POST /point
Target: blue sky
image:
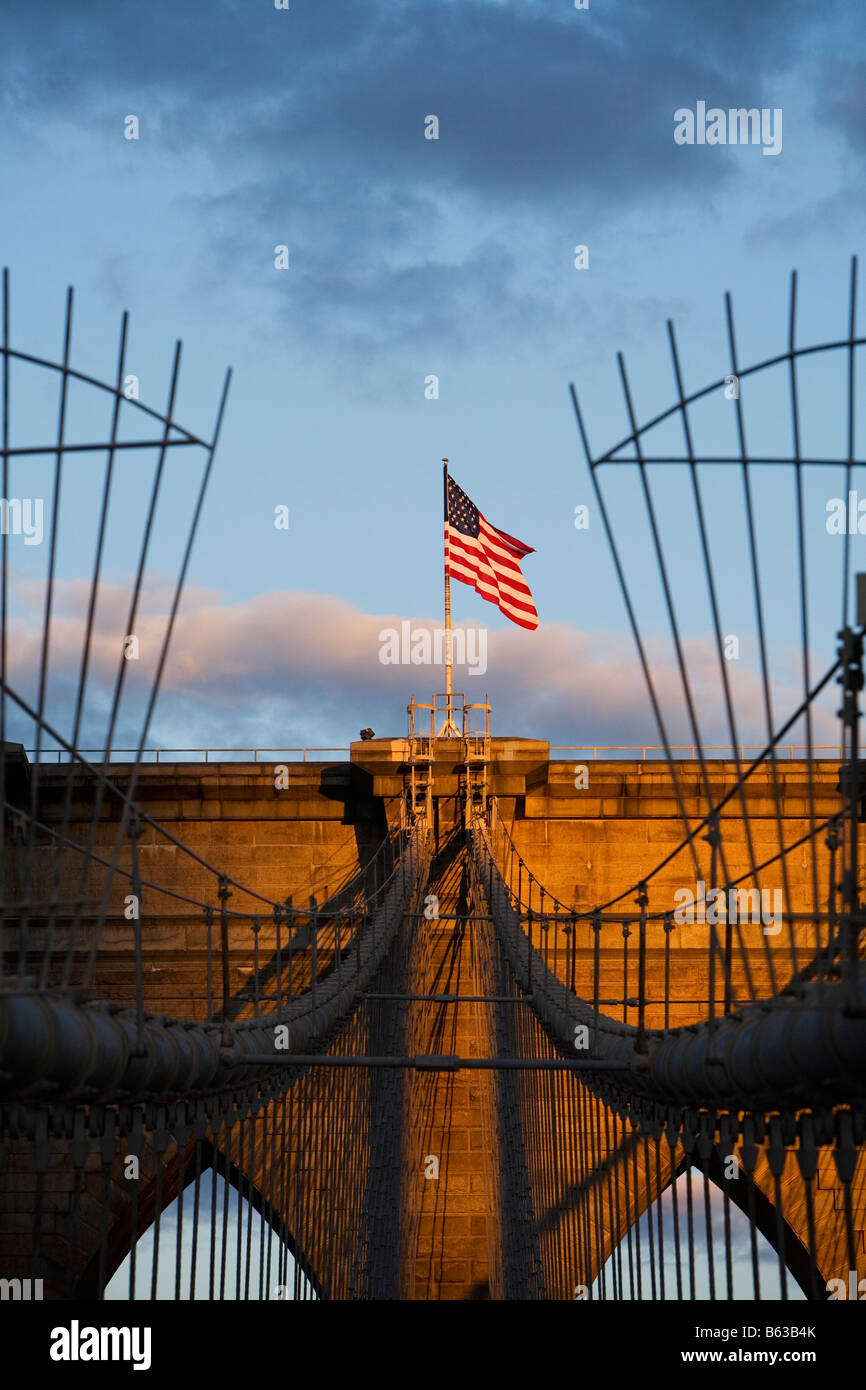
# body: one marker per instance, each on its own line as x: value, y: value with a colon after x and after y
x: 411, y: 257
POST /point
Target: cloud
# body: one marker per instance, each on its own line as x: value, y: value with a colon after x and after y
x: 294, y: 669
x: 313, y: 120
x: 844, y: 106
x: 845, y: 208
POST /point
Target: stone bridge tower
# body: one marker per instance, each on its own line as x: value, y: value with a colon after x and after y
x: 460, y: 1199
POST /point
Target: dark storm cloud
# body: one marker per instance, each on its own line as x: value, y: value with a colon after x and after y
x: 344, y: 269
x: 842, y: 209
x: 533, y: 98
x: 843, y: 99
x: 551, y: 119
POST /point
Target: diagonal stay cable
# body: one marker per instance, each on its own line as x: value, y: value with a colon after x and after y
x: 717, y: 627
x: 46, y: 620
x: 850, y: 712
x: 79, y: 848
x: 99, y: 774
x: 4, y: 564
x: 714, y: 832
x: 804, y: 605
x: 130, y: 628
x: 91, y: 613
x: 163, y: 655
x: 759, y: 614
x: 132, y: 806
x: 660, y: 723
x: 632, y: 889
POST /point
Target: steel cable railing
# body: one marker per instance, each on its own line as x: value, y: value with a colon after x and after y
x: 606, y: 1163
x: 807, y: 1032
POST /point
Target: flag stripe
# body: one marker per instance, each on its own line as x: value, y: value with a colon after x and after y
x: 471, y: 567
x: 505, y: 557
x: 509, y: 592
x: 525, y: 617
x: 488, y: 591
x: 478, y: 554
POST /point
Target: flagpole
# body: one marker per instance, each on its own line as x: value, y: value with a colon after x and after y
x: 449, y: 723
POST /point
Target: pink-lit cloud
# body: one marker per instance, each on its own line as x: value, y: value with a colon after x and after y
x: 293, y: 668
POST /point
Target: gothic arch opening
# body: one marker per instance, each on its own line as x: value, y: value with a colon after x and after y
x: 665, y: 1256
x: 242, y: 1248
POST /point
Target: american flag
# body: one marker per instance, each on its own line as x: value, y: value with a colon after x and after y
x: 486, y: 558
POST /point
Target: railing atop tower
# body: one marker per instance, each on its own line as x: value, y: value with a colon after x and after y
x: 434, y: 719
x: 464, y: 728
